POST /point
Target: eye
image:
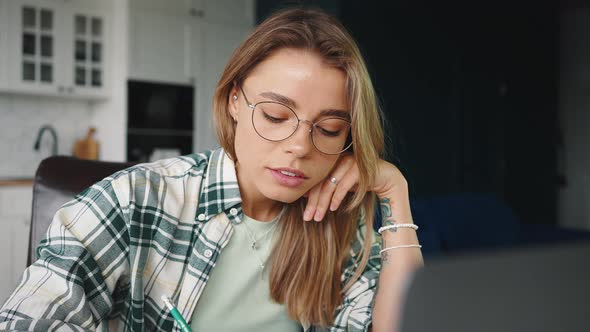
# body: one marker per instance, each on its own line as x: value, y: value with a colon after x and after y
x: 332, y: 127
x: 272, y: 118
x: 329, y: 133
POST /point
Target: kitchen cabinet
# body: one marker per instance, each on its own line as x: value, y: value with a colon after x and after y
x: 168, y: 40
x: 187, y: 42
x: 226, y: 12
x: 165, y: 40
x: 161, y: 42
x: 58, y: 48
x: 15, y: 220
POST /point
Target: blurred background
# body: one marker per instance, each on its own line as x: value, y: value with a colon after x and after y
x: 487, y: 103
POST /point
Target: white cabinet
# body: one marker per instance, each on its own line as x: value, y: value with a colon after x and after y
x: 226, y: 12
x: 3, y: 43
x: 169, y: 40
x: 165, y: 40
x: 187, y: 42
x: 161, y: 42
x: 219, y: 42
x: 15, y: 217
x: 57, y: 48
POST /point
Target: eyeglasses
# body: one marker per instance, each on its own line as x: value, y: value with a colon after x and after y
x: 276, y: 122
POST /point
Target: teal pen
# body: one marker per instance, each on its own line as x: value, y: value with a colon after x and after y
x: 176, y: 314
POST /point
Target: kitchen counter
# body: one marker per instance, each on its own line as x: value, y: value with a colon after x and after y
x: 16, y: 182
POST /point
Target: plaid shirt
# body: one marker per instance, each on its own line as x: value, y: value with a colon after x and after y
x: 150, y: 230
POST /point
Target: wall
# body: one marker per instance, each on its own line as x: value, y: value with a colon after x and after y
x: 469, y: 90
x: 22, y: 116
x: 574, y: 105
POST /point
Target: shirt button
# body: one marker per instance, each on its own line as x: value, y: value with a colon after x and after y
x: 208, y: 253
x: 233, y: 211
x: 201, y: 217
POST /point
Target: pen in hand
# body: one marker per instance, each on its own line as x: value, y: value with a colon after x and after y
x: 176, y: 314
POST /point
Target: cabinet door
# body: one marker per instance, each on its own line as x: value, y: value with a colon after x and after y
x: 227, y: 12
x: 15, y: 216
x: 32, y: 58
x: 218, y: 43
x: 4, y: 25
x: 57, y: 48
x: 86, y: 63
x: 160, y: 46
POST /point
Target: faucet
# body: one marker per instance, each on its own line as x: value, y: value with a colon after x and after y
x: 40, y: 135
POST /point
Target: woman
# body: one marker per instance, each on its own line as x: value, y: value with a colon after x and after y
x: 227, y: 234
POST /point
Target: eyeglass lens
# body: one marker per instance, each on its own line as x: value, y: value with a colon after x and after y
x: 276, y: 122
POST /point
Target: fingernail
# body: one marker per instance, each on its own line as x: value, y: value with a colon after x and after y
x: 318, y: 215
x: 307, y: 215
x: 333, y: 207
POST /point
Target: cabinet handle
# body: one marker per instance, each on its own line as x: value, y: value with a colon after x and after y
x: 60, y: 89
x: 70, y: 89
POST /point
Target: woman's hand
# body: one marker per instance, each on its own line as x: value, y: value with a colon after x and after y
x: 328, y: 194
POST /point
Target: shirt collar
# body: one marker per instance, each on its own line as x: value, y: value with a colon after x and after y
x: 219, y: 189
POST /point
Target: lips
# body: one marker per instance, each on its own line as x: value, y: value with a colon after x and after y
x: 289, y: 177
x: 291, y: 172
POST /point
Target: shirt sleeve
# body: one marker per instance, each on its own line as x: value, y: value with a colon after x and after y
x: 354, y: 315
x: 83, y: 255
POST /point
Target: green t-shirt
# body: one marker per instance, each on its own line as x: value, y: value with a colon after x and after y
x: 237, y: 295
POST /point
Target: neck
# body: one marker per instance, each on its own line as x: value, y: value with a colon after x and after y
x: 255, y: 205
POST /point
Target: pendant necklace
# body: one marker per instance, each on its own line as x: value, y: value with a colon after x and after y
x: 254, y: 246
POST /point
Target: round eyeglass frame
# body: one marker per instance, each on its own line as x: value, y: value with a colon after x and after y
x: 311, y: 127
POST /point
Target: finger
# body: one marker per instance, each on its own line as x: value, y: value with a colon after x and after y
x: 324, y: 199
x: 329, y: 187
x: 312, y: 202
x: 347, y: 184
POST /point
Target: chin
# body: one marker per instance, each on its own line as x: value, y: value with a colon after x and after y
x: 283, y: 195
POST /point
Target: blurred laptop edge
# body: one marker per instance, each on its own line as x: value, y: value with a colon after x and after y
x: 528, y: 289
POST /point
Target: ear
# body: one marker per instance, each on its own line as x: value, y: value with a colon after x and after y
x: 233, y: 101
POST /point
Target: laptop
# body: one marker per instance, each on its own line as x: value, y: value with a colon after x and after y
x: 537, y: 289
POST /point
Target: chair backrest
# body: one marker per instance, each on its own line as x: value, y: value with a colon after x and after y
x: 57, y: 180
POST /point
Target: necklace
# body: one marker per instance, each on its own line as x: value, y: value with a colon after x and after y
x: 254, y: 247
x: 254, y: 239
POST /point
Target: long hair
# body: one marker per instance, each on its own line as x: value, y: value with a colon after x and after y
x: 308, y: 258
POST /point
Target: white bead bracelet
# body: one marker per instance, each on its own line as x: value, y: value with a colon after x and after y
x: 396, y: 226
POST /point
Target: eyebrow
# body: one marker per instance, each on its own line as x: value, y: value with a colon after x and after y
x: 291, y: 103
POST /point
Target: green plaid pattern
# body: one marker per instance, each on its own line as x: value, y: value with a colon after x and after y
x: 150, y: 230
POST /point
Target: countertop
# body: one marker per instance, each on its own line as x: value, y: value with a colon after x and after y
x: 12, y: 182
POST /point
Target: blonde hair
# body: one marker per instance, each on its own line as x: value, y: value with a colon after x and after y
x: 307, y: 259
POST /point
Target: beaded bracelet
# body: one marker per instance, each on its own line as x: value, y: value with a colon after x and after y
x: 396, y: 226
x: 401, y: 246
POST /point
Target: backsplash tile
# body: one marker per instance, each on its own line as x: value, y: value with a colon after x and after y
x: 20, y: 119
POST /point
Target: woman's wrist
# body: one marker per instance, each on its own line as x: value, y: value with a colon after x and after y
x: 394, y: 192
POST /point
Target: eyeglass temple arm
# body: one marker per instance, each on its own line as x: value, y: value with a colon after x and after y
x: 246, y: 98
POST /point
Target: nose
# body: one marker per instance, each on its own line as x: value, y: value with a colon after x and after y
x: 300, y: 143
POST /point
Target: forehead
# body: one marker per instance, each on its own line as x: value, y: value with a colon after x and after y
x: 300, y: 75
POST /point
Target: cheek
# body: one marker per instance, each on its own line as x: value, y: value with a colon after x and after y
x: 323, y: 169
x: 248, y: 145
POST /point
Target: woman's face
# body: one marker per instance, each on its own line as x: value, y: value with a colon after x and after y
x: 266, y: 168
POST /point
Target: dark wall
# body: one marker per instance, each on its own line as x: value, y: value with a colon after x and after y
x: 469, y: 89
